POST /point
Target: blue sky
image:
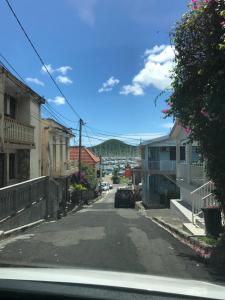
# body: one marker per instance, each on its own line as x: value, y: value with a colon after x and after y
x: 111, y: 58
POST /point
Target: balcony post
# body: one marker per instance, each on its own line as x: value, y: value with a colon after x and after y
x: 2, y: 93
x: 188, y: 149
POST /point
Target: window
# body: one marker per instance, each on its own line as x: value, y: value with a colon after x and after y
x: 9, y: 106
x: 172, y: 153
x: 182, y: 153
x: 12, y: 165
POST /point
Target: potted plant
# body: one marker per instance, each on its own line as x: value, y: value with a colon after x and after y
x: 212, y: 217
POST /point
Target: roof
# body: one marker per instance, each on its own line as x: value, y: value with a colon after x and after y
x: 22, y: 84
x: 86, y: 155
x: 160, y: 141
x: 62, y: 127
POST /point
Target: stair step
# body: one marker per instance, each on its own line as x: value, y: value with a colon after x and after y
x: 193, y: 229
x: 200, y: 222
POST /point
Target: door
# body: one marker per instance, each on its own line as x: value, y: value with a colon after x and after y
x: 2, y: 169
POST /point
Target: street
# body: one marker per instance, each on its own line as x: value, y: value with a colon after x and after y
x: 102, y: 237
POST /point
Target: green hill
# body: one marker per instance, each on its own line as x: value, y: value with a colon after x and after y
x: 115, y: 148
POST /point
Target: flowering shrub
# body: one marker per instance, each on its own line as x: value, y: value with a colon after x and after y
x: 198, y: 84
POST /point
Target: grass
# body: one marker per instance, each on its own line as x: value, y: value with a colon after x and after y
x: 209, y: 240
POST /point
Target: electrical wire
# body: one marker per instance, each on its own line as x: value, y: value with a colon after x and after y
x: 53, y: 111
x: 40, y: 58
x: 117, y: 135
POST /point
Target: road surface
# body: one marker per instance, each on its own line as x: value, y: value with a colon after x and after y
x: 102, y: 237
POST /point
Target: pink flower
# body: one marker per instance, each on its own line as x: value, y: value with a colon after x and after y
x: 165, y: 111
x: 187, y: 130
x: 204, y: 112
x: 194, y: 1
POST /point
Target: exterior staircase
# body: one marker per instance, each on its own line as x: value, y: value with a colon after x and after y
x: 193, y: 221
x: 202, y: 197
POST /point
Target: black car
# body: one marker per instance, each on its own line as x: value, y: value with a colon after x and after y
x: 124, y: 197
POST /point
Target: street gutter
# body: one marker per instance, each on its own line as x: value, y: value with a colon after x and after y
x: 201, y: 249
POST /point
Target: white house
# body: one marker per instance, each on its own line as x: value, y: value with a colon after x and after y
x: 20, y: 140
x: 195, y: 187
x: 159, y: 170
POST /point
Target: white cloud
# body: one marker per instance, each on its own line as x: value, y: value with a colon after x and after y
x: 85, y: 10
x: 58, y: 100
x: 158, y: 63
x: 49, y: 68
x: 64, y: 69
x: 109, y: 84
x: 168, y: 125
x: 134, y: 89
x: 64, y: 79
x: 35, y: 80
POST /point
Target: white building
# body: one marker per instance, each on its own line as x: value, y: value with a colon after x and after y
x: 195, y: 187
x: 159, y: 171
x: 20, y: 140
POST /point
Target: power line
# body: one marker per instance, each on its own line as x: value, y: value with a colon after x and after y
x: 52, y: 113
x: 122, y: 136
x: 6, y: 60
x: 88, y: 137
x: 41, y: 59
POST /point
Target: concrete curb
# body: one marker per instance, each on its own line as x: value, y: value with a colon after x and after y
x: 14, y: 231
x: 203, y: 250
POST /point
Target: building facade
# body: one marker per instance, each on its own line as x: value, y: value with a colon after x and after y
x: 190, y: 171
x: 20, y: 131
x: 158, y: 171
x: 55, y: 150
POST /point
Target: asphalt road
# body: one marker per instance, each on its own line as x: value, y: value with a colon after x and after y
x: 102, y: 237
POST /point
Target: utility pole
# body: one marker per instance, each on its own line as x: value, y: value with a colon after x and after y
x: 81, y: 123
x: 100, y: 169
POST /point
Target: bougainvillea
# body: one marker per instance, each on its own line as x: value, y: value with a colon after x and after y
x: 198, y: 83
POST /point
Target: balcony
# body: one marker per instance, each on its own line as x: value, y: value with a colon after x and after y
x: 18, y: 133
x: 190, y: 173
x: 162, y: 166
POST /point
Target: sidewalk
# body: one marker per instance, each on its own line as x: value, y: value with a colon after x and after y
x: 168, y: 220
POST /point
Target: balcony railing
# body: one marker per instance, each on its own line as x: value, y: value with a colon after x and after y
x: 191, y: 173
x: 17, y: 132
x: 162, y: 165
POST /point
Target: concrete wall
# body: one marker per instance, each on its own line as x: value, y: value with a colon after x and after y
x: 185, y: 195
x: 35, y: 154
x: 23, y: 109
x: 30, y: 215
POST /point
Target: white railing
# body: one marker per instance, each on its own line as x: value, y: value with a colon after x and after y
x: 162, y: 165
x: 17, y: 132
x: 190, y: 173
x: 202, y: 197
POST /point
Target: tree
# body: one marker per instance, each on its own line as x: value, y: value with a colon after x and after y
x: 87, y: 177
x: 198, y: 83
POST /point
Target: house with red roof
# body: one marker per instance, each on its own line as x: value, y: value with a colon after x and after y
x: 87, y: 157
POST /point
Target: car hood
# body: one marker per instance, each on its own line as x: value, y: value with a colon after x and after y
x: 118, y: 280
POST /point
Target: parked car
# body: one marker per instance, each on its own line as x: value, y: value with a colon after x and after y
x: 110, y: 186
x: 124, y: 197
x: 105, y: 186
